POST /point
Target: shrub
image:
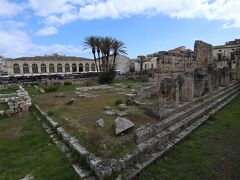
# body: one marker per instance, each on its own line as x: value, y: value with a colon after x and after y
x: 118, y: 101
x: 106, y: 77
x: 50, y: 113
x: 90, y: 82
x: 52, y: 86
x: 67, y: 83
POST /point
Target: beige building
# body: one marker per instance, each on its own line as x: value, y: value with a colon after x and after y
x: 180, y: 59
x: 224, y: 55
x: 57, y: 64
x: 45, y: 65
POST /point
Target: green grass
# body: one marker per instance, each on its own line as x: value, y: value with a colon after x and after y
x: 3, y: 106
x: 25, y: 148
x: 32, y: 91
x: 211, y: 152
x: 67, y: 88
x: 8, y: 90
x: 79, y: 119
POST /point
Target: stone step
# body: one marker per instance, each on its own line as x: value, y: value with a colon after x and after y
x: 176, y: 128
x: 81, y: 171
x: 189, y: 104
x: 132, y: 172
x: 165, y: 136
x: 146, y: 132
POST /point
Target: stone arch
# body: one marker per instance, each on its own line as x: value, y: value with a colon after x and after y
x: 43, y: 68
x: 51, y: 68
x: 16, y: 68
x: 34, y: 68
x: 92, y: 67
x: 67, y: 67
x: 25, y: 68
x: 80, y: 67
x: 87, y: 67
x: 59, y: 68
x: 74, y: 67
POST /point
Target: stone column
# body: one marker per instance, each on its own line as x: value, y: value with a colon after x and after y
x: 199, y: 82
x: 169, y: 93
x: 238, y: 69
x: 224, y: 77
x: 187, y: 88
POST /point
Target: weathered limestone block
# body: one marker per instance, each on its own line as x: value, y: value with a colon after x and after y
x: 169, y: 93
x: 144, y: 133
x: 187, y: 87
x: 100, y: 122
x: 199, y: 82
x: 224, y: 77
x: 70, y: 102
x: 208, y: 84
x: 122, y: 124
x: 122, y: 106
x: 131, y: 97
x: 214, y: 74
x: 147, y: 92
x: 238, y: 67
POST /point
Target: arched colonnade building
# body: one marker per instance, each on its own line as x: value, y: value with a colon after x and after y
x: 44, y: 65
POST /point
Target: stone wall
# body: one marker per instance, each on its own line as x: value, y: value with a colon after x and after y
x: 17, y: 102
x: 203, y: 53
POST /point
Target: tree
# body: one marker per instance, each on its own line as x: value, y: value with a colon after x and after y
x: 142, y: 59
x: 90, y: 42
x: 118, y: 47
x: 106, y: 49
x: 98, y: 48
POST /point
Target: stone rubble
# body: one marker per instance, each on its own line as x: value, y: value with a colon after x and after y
x: 17, y: 102
x: 122, y: 124
x: 100, y: 122
x: 70, y: 102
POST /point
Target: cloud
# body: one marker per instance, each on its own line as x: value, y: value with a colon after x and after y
x: 9, y: 9
x: 65, y: 11
x: 16, y: 43
x: 47, y: 31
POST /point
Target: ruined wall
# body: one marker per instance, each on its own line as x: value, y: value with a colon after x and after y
x: 204, y: 53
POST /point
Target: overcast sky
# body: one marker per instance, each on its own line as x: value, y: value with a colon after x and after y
x: 39, y: 27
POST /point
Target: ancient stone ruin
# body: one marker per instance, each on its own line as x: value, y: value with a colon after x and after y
x: 17, y: 102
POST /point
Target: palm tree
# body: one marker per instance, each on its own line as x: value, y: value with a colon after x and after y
x: 118, y: 47
x: 142, y: 59
x: 90, y: 42
x: 98, y: 48
x: 106, y: 49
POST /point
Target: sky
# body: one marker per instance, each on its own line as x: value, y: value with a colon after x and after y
x: 39, y: 27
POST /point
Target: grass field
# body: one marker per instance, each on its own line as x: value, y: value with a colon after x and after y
x: 211, y: 152
x: 25, y: 148
x: 9, y: 90
x: 79, y: 119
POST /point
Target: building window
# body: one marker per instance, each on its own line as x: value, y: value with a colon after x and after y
x: 59, y: 68
x: 152, y: 66
x: 51, y: 68
x: 92, y: 67
x: 74, y: 67
x: 16, y: 69
x: 145, y: 66
x: 43, y: 68
x: 25, y: 69
x: 34, y: 68
x: 67, y: 68
x: 80, y: 67
x: 219, y: 57
x: 87, y: 67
